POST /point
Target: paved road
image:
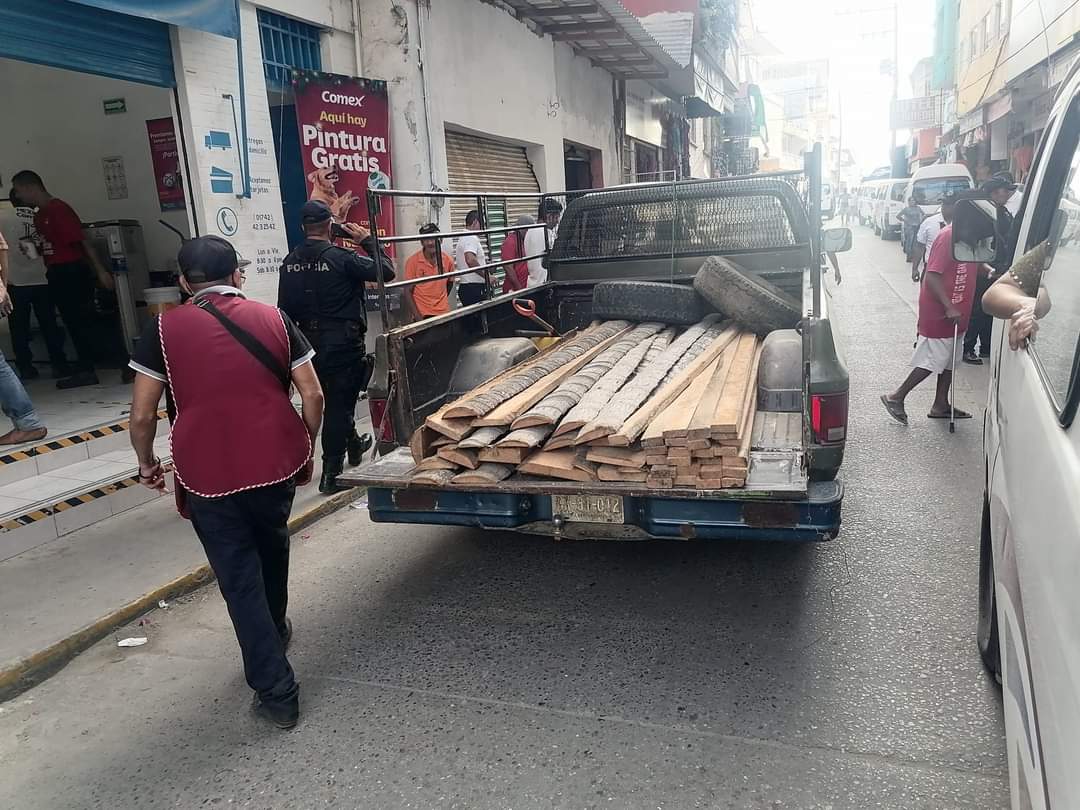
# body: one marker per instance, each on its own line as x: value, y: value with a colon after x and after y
x: 453, y: 669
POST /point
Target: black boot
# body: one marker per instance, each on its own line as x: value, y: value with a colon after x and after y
x: 357, y: 446
x: 331, y: 469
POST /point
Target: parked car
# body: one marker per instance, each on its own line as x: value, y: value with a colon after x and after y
x: 1029, y: 601
x: 930, y: 183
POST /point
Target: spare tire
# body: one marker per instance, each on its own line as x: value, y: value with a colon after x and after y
x: 752, y: 301
x: 647, y: 301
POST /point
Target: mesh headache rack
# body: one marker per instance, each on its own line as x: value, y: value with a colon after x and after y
x: 766, y: 212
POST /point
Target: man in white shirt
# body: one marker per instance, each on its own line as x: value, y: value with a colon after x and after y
x: 29, y: 291
x: 550, y: 213
x: 928, y: 231
x: 469, y: 252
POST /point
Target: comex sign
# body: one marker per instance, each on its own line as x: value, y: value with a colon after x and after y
x: 916, y: 113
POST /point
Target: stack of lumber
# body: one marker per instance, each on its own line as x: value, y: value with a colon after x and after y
x: 616, y: 402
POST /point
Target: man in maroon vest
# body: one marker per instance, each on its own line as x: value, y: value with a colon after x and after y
x: 239, y: 448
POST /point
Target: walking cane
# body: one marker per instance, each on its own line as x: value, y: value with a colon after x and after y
x: 952, y: 379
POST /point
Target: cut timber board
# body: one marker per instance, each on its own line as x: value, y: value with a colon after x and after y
x: 727, y: 418
x: 677, y: 415
x: 505, y: 414
x: 554, y: 464
x: 617, y: 457
x: 701, y: 423
x: 503, y: 455
x: 483, y: 401
x: 634, y: 426
x: 484, y: 474
x: 463, y: 458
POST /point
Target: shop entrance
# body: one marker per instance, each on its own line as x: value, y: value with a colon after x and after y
x: 109, y: 148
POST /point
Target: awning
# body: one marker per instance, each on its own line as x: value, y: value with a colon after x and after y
x: 611, y: 37
x: 215, y: 17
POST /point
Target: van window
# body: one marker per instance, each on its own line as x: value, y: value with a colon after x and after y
x: 897, y: 194
x: 930, y: 190
x: 1057, y: 214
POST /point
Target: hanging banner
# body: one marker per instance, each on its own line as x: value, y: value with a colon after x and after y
x: 165, y: 158
x: 344, y: 125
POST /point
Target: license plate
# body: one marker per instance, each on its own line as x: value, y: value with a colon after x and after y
x: 588, y: 508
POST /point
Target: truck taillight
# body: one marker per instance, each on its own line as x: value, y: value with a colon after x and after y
x: 828, y: 417
x: 382, y: 426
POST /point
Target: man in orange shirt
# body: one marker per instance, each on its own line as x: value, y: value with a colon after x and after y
x: 431, y: 297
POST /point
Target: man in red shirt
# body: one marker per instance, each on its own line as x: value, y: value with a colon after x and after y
x: 945, y: 301
x: 72, y: 267
x: 516, y: 275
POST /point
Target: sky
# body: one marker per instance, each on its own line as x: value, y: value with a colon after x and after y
x: 855, y: 37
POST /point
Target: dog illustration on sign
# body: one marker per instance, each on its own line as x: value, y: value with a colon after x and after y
x: 323, y: 188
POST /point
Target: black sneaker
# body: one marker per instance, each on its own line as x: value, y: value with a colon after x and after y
x: 79, y: 380
x: 28, y: 372
x: 357, y: 446
x: 972, y: 358
x: 283, y: 715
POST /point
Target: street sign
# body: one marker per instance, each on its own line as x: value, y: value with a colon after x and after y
x: 916, y: 113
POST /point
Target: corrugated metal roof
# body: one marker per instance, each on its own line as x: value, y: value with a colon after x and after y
x: 674, y: 30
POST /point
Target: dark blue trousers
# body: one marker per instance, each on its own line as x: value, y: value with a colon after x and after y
x: 246, y: 538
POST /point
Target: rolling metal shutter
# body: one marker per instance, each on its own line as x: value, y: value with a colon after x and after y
x: 482, y: 164
x: 88, y: 40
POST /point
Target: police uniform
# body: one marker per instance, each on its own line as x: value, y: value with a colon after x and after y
x: 321, y: 287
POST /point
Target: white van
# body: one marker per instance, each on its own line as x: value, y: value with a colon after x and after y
x: 867, y: 201
x: 893, y: 198
x: 930, y: 183
x: 828, y: 201
x: 1029, y: 582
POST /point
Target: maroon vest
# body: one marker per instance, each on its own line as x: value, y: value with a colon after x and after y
x: 235, y: 427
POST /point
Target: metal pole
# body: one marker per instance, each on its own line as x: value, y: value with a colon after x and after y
x: 813, y: 167
x: 384, y: 308
x: 481, y: 206
x: 895, y: 73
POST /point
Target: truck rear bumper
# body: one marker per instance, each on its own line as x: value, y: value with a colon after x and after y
x: 813, y: 518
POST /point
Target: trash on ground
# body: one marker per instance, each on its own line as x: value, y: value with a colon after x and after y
x: 163, y: 604
x: 359, y: 503
x: 135, y: 641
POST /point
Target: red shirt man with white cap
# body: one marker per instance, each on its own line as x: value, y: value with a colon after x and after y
x: 239, y: 447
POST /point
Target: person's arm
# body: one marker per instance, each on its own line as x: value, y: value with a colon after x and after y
x: 5, y: 298
x: 448, y: 267
x: 142, y: 426
x: 311, y: 410
x: 1007, y: 300
x: 937, y: 287
x: 363, y: 237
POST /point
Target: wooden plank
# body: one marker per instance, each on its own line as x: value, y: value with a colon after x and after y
x: 484, y: 474
x: 554, y: 406
x: 420, y: 443
x: 617, y: 456
x: 436, y: 478
x: 640, y: 388
x: 594, y: 400
x: 679, y: 452
x: 712, y: 470
x: 653, y: 460
x: 503, y: 455
x: 566, y: 440
x: 582, y: 462
x: 456, y: 429
x: 701, y: 421
x: 434, y: 463
x: 554, y: 464
x: 746, y: 428
x: 659, y: 482
x: 463, y: 458
x: 479, y: 439
x: 483, y: 401
x: 505, y: 414
x: 636, y: 424
x: 526, y: 437
x: 674, y: 417
x: 727, y: 417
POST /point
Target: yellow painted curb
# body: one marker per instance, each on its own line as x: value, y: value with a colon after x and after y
x: 33, y: 669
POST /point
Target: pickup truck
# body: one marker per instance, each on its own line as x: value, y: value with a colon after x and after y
x: 770, y: 225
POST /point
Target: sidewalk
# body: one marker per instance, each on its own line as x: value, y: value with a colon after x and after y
x: 61, y: 597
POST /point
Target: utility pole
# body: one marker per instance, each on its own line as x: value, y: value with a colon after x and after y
x: 839, y: 143
x: 895, y: 74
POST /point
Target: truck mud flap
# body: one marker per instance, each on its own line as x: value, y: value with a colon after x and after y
x: 813, y: 518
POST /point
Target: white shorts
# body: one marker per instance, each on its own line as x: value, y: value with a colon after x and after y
x: 937, y: 354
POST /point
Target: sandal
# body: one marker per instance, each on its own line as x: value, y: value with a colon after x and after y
x: 956, y: 414
x: 895, y: 409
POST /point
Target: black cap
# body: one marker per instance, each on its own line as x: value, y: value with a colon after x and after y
x: 997, y: 183
x: 315, y: 211
x: 207, y: 258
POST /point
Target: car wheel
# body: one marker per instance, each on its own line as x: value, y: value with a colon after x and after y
x: 987, y: 631
x: 750, y: 300
x: 647, y: 301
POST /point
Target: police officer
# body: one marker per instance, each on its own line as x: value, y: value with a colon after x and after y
x: 321, y: 287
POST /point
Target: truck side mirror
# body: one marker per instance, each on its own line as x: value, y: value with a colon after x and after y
x: 973, y: 231
x: 836, y: 240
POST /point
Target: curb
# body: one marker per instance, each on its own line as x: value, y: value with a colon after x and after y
x: 34, y: 669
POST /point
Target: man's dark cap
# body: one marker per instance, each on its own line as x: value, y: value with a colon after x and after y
x: 314, y: 211
x: 996, y: 183
x: 207, y: 258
